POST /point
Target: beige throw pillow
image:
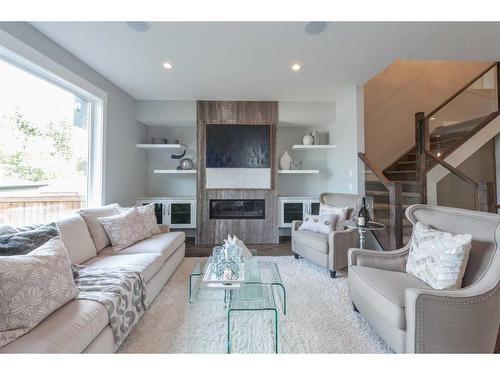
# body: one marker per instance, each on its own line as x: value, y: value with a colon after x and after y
x: 96, y: 230
x: 438, y: 258
x: 341, y: 212
x: 148, y: 216
x: 124, y: 229
x: 319, y: 223
x: 33, y: 286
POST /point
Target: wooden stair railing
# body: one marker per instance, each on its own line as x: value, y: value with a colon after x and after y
x: 395, y: 229
x: 483, y: 191
x: 484, y: 199
x: 471, y: 132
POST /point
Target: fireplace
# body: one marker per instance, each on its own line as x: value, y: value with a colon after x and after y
x: 237, y: 209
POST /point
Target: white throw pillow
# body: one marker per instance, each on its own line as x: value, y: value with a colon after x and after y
x: 124, y: 229
x: 32, y: 286
x: 148, y: 216
x: 341, y: 212
x: 319, y: 223
x: 438, y: 258
x: 96, y: 230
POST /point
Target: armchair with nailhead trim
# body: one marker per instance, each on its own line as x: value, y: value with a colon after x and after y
x: 412, y: 317
x: 327, y: 250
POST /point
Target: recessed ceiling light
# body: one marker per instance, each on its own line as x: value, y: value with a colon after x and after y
x: 315, y: 27
x: 138, y: 26
x: 296, y: 67
x: 167, y: 65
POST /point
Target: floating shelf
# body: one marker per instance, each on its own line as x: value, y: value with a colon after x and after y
x: 175, y: 171
x: 298, y: 171
x: 172, y: 146
x: 313, y: 147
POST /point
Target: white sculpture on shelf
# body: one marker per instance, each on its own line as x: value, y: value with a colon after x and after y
x: 285, y: 161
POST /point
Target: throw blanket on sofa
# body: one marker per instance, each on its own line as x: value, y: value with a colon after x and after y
x: 121, y: 290
x: 23, y: 240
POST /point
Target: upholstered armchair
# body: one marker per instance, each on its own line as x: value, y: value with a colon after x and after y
x: 413, y: 318
x: 327, y: 250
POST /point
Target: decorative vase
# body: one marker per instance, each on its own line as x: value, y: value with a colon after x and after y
x: 315, y: 136
x: 186, y: 164
x: 308, y: 140
x: 285, y: 161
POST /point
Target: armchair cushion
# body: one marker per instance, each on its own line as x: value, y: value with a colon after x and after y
x: 316, y: 241
x: 438, y: 258
x: 319, y: 223
x: 381, y: 293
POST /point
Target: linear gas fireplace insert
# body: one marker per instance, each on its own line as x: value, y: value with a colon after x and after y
x: 237, y: 209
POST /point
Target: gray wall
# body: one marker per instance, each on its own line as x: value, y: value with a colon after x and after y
x: 125, y: 165
x: 170, y: 184
x: 346, y: 132
x: 480, y: 166
x: 177, y: 120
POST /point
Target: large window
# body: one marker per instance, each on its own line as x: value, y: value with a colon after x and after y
x: 45, y: 148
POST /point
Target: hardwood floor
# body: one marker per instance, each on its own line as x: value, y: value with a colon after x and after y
x: 281, y: 249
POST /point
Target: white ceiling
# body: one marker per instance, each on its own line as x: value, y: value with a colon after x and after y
x: 251, y: 60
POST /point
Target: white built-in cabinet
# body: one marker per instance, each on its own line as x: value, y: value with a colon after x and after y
x: 176, y: 212
x: 294, y: 208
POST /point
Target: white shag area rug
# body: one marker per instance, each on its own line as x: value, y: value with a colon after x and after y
x: 319, y: 318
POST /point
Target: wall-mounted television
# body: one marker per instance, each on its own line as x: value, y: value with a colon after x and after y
x: 238, y: 156
x: 238, y: 146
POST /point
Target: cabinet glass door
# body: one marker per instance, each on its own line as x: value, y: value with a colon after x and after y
x: 315, y: 208
x: 180, y: 213
x: 292, y: 211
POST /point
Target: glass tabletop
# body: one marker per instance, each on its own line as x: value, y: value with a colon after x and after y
x: 372, y: 225
x: 260, y: 278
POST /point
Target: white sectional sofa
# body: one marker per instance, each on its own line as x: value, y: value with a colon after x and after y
x: 82, y: 326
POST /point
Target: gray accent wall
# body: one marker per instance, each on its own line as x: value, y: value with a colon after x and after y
x: 125, y: 165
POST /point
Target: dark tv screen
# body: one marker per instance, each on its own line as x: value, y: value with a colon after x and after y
x: 238, y: 146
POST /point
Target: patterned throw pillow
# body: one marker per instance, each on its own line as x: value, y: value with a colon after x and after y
x: 96, y: 230
x: 32, y: 287
x: 319, y: 223
x: 147, y: 213
x: 438, y: 258
x: 124, y: 229
x: 341, y: 212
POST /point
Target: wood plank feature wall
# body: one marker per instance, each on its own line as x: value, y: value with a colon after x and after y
x: 249, y: 230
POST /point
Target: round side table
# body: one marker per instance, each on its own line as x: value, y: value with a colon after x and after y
x: 372, y: 226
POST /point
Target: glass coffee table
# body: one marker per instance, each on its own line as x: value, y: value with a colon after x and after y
x: 256, y: 293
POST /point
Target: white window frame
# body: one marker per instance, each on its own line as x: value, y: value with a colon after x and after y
x: 32, y: 61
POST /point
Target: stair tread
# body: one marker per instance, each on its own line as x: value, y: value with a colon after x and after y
x: 382, y: 192
x: 385, y: 206
x: 402, y: 171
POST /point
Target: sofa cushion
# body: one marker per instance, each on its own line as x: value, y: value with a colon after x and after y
x: 383, y: 292
x: 162, y: 243
x: 76, y: 239
x: 96, y: 229
x: 314, y: 240
x: 69, y: 329
x: 147, y: 264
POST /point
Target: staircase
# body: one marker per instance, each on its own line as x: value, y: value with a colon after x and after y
x: 404, y: 172
x: 404, y: 182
